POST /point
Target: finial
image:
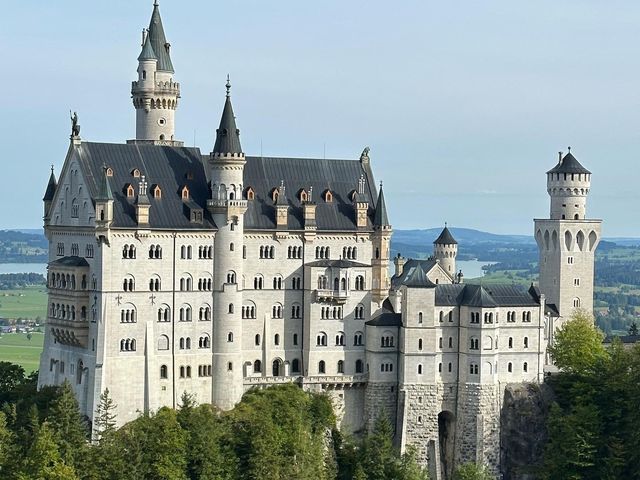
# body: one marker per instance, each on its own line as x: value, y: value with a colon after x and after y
x: 311, y: 193
x: 445, y: 224
x: 380, y: 184
x: 228, y: 85
x: 52, y: 168
x: 155, y: 3
x: 143, y: 185
x: 569, y: 148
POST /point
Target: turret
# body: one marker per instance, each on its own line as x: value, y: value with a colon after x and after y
x: 227, y: 207
x: 445, y: 250
x: 104, y: 202
x: 282, y: 208
x: 568, y: 184
x: 361, y: 204
x: 49, y: 194
x: 309, y: 212
x: 155, y: 94
x: 380, y: 240
x: 142, y: 204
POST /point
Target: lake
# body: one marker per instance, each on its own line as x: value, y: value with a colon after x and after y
x: 472, y: 268
x: 24, y: 268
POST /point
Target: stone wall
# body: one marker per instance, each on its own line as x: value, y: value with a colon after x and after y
x: 523, y: 429
x: 380, y: 397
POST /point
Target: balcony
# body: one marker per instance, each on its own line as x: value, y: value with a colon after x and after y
x: 69, y: 332
x: 338, y: 296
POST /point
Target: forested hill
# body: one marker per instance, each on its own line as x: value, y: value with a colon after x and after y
x: 20, y: 247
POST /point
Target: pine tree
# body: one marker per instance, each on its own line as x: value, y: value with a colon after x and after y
x: 104, y: 420
x: 633, y: 329
x: 43, y: 460
x: 8, y: 450
x: 379, y: 456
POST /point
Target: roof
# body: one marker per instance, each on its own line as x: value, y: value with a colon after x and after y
x: 159, y: 41
x: 227, y: 134
x: 264, y: 174
x: 336, y: 264
x: 482, y: 296
x: 171, y: 168
x: 425, y: 265
x: 445, y: 238
x: 569, y: 164
x: 417, y: 278
x: 147, y: 52
x: 386, y: 319
x: 70, y: 262
x: 104, y: 193
x: 381, y: 218
x: 51, y: 187
x: 626, y: 339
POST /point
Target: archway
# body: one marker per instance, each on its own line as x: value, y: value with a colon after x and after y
x: 277, y: 368
x: 446, y: 440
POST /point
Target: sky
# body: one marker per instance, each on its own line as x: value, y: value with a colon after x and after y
x: 464, y: 104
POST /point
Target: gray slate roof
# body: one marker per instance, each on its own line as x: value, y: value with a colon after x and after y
x: 425, y: 265
x: 159, y: 41
x: 336, y: 263
x: 174, y: 167
x: 147, y: 52
x: 227, y: 134
x: 263, y: 174
x: 386, y: 319
x: 445, y: 238
x: 381, y: 218
x: 70, y: 262
x: 569, y: 164
x: 51, y: 187
x: 169, y: 167
x: 484, y: 296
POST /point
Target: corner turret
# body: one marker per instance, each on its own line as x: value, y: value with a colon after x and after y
x: 381, y: 240
x: 49, y: 194
x: 445, y: 250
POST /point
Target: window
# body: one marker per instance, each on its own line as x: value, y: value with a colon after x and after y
x: 204, y: 341
x: 88, y: 251
x: 511, y: 317
x: 526, y: 317
x: 295, y: 365
x: 441, y: 319
x: 420, y: 368
x: 295, y: 339
x: 277, y: 283
x: 294, y: 252
x: 321, y: 367
x: 231, y: 277
x: 129, y: 251
x: 60, y: 249
x: 450, y: 316
x: 296, y: 283
x: 386, y: 341
x: 154, y: 285
x: 230, y: 366
x: 526, y: 342
x: 164, y: 313
x: 420, y: 317
x: 185, y: 313
x: 475, y: 317
x: 128, y: 345
x: 258, y: 282
x: 340, y: 339
x: 576, y: 282
x: 257, y: 340
x: 230, y: 337
x: 358, y: 366
x: 419, y: 344
x: 386, y: 367
x: 267, y: 252
x: 128, y: 284
x: 249, y: 311
x: 321, y: 339
x: 576, y: 302
x: 450, y: 367
x: 509, y: 367
x: 570, y: 260
x: 295, y: 311
x: 257, y: 366
x: 450, y: 342
x: 510, y: 342
x: 204, y: 313
x: 474, y: 344
x: 322, y: 253
x: 276, y: 339
x: 440, y: 342
x: 359, y: 282
x: 164, y: 372
x: 359, y: 312
x: 340, y: 368
x: 488, y: 317
x: 230, y: 310
x: 276, y: 311
x: 525, y: 367
x: 358, y: 339
x: 473, y: 368
x: 127, y: 315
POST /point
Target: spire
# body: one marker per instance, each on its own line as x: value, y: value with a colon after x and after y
x: 158, y: 41
x: 143, y: 199
x: 282, y: 197
x: 381, y: 219
x: 105, y: 189
x: 51, y: 187
x: 227, y: 135
x: 445, y: 237
x: 569, y: 164
x: 147, y: 52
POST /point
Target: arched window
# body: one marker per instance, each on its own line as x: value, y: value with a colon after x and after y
x: 295, y: 365
x: 420, y: 368
x: 164, y: 374
x: 525, y: 367
x: 340, y: 366
x: 509, y: 367
x: 510, y: 342
x: 358, y: 366
x: 340, y: 339
x: 321, y: 367
x: 276, y: 339
x: 419, y: 317
x: 230, y: 337
x: 526, y: 342
x: 321, y: 339
x: 473, y: 368
x: 163, y: 342
x: 419, y: 344
x: 257, y: 339
x: 231, y: 308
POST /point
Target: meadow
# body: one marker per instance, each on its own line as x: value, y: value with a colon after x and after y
x: 17, y: 348
x: 29, y: 302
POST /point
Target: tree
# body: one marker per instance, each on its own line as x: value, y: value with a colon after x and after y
x: 69, y: 427
x: 471, y: 471
x: 11, y: 376
x: 578, y: 345
x: 633, y: 329
x: 8, y: 451
x: 104, y: 420
x: 379, y: 455
x: 43, y: 461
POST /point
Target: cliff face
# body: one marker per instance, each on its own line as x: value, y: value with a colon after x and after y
x: 523, y: 429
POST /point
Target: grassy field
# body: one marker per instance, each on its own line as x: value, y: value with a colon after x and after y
x: 16, y: 348
x: 30, y: 302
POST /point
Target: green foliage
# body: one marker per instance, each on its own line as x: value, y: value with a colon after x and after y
x: 633, y: 328
x: 43, y: 461
x: 471, y: 471
x: 104, y: 420
x: 578, y: 345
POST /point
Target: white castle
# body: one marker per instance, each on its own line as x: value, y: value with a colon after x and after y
x: 171, y: 271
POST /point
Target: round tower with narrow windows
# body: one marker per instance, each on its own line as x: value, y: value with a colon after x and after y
x: 445, y: 250
x: 155, y: 94
x: 568, y: 185
x: 227, y: 207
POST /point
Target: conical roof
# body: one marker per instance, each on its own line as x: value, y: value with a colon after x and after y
x: 159, y: 41
x: 227, y: 135
x: 105, y: 189
x: 51, y: 187
x: 569, y: 164
x: 445, y: 238
x: 147, y: 52
x: 417, y: 278
x: 381, y: 219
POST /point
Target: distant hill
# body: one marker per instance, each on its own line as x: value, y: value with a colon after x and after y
x: 20, y: 247
x: 465, y: 236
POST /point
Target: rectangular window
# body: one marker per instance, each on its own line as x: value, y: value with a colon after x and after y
x: 576, y: 282
x: 570, y: 260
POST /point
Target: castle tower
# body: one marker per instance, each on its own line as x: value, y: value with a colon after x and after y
x: 155, y: 94
x: 567, y: 241
x: 227, y: 208
x: 445, y: 249
x: 380, y: 240
x: 49, y: 194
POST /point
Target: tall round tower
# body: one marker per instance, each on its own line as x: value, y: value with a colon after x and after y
x: 155, y: 94
x: 568, y: 185
x: 445, y: 249
x: 227, y: 208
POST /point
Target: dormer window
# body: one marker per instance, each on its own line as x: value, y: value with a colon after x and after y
x: 189, y: 175
x: 109, y: 172
x: 327, y: 196
x: 352, y: 195
x: 157, y: 193
x: 274, y: 195
x: 184, y: 193
x: 128, y: 190
x: 250, y: 193
x: 302, y: 195
x: 136, y: 173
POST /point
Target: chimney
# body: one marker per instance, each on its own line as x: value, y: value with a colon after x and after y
x: 282, y: 208
x: 142, y: 204
x: 361, y: 204
x: 309, y: 211
x: 399, y: 262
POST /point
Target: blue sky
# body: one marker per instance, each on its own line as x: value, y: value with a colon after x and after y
x: 464, y: 104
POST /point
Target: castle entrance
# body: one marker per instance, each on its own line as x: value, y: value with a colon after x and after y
x: 446, y: 440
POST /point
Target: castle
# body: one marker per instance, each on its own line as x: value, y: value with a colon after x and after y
x: 171, y: 270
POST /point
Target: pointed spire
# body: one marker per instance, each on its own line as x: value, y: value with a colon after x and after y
x: 159, y: 41
x: 142, y: 199
x: 105, y: 189
x: 51, y: 187
x: 445, y: 237
x: 147, y: 52
x: 282, y: 197
x: 227, y: 135
x: 381, y: 219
